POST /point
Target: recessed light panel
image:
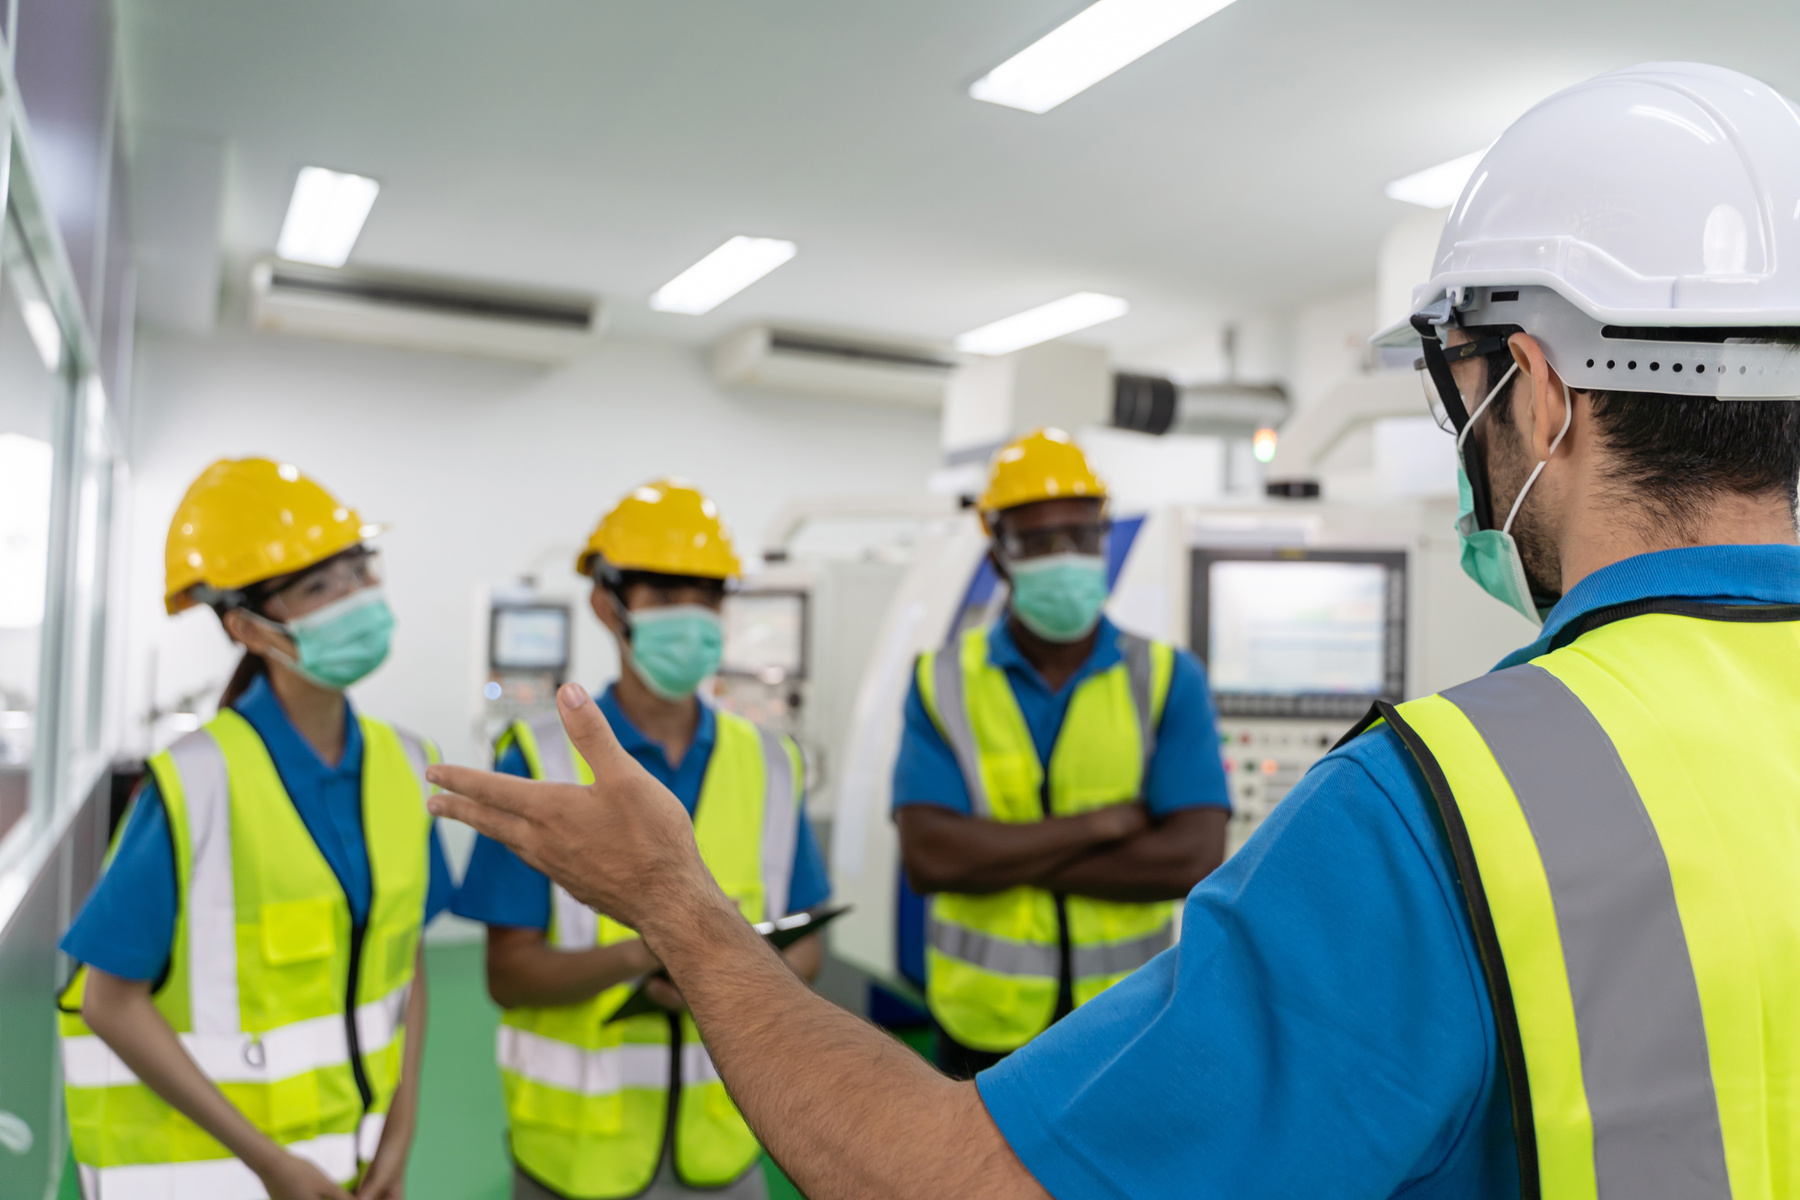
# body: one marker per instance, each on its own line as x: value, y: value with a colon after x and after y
x: 721, y: 275
x: 325, y: 216
x: 1052, y: 320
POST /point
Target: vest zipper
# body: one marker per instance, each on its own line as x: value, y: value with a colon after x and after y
x: 1065, y: 966
x: 354, y: 1038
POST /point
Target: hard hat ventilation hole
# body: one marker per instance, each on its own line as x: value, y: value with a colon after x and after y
x: 1610, y: 364
x: 1742, y: 370
x: 1656, y: 366
x: 1632, y: 365
x: 1590, y: 362
x: 1676, y: 368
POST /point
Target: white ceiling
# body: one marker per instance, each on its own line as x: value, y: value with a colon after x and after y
x: 607, y: 144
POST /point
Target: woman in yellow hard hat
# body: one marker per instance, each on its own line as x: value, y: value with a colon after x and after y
x: 1058, y: 783
x: 601, y: 1108
x: 251, y: 970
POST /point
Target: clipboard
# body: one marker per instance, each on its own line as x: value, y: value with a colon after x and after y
x: 779, y: 934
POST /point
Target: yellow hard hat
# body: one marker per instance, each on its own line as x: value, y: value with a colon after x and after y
x: 1043, y: 465
x: 249, y: 519
x: 667, y: 527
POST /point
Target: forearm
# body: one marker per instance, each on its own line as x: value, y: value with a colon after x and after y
x: 948, y: 852
x: 524, y: 970
x: 122, y: 1014
x: 1163, y: 862
x: 846, y: 1110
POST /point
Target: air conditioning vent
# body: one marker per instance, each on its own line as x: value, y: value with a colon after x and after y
x: 423, y: 312
x: 850, y: 367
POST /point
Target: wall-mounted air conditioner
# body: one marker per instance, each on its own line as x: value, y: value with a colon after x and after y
x: 424, y: 312
x: 850, y: 367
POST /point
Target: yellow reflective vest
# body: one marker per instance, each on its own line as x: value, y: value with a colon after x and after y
x: 589, y: 1101
x: 1624, y: 817
x: 995, y: 963
x: 293, y: 1010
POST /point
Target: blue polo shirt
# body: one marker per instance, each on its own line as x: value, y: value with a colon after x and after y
x: 1323, y: 1028
x: 128, y: 923
x: 1185, y: 768
x: 499, y: 889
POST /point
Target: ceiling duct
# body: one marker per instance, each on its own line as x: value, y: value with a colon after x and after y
x: 849, y: 367
x: 1145, y: 403
x: 1230, y: 409
x: 422, y: 312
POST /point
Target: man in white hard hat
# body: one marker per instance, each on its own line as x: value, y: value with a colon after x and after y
x: 1535, y: 935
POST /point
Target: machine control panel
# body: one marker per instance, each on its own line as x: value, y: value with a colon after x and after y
x: 1263, y: 760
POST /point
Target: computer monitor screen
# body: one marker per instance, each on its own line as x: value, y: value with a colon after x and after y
x: 531, y: 637
x: 1301, y: 633
x: 765, y: 634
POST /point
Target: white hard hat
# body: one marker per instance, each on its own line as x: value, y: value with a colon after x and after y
x: 1644, y: 226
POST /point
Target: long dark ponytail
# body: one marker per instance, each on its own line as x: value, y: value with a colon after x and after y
x: 249, y: 667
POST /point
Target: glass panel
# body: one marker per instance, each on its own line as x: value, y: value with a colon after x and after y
x: 30, y: 390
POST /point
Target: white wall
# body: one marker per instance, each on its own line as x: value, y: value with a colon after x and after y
x: 486, y: 471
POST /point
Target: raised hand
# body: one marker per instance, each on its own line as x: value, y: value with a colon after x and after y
x: 622, y: 845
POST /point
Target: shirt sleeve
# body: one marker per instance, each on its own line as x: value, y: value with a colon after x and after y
x: 1186, y: 770
x: 1322, y: 1029
x: 925, y: 771
x: 498, y: 888
x: 128, y: 923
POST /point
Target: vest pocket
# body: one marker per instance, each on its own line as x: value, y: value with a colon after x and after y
x: 296, y: 931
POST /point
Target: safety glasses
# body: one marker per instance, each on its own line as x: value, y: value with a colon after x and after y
x: 331, y: 580
x: 1085, y: 538
x: 1442, y: 396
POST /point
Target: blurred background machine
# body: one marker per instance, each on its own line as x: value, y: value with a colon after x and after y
x: 528, y: 652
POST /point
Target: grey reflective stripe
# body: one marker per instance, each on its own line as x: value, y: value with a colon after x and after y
x: 1644, y: 1061
x: 994, y: 954
x: 556, y: 754
x: 211, y: 900
x: 780, y: 824
x: 573, y: 925
x: 417, y: 756
x: 1138, y: 669
x: 1119, y: 958
x: 953, y: 718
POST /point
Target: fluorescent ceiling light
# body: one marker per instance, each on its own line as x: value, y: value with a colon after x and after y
x: 1040, y: 324
x: 1439, y: 186
x: 325, y: 216
x: 1086, y: 49
x: 721, y: 275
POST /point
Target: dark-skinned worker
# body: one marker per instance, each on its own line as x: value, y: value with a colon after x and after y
x: 597, y: 1108
x: 1533, y: 936
x: 1058, y: 784
x: 250, y: 1018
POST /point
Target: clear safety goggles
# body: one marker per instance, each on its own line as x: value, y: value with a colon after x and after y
x: 331, y: 580
x: 1437, y: 377
x: 1086, y: 538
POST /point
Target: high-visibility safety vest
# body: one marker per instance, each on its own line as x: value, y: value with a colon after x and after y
x: 295, y: 1011
x: 590, y: 1101
x: 1624, y: 818
x: 996, y: 963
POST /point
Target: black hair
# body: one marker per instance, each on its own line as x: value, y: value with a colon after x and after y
x: 1677, y: 454
x: 621, y: 582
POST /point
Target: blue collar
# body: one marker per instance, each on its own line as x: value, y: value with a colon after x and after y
x: 298, y: 764
x: 634, y: 741
x: 1004, y: 652
x: 1733, y: 574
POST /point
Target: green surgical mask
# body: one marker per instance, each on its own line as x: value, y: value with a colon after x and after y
x: 341, y: 643
x: 675, y: 647
x: 1491, y: 556
x: 1059, y: 596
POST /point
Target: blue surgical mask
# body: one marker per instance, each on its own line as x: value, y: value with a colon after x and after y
x: 675, y: 647
x: 1491, y: 556
x: 341, y: 643
x: 1059, y: 596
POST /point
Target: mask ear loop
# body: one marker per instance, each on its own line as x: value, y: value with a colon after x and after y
x: 1568, y: 416
x: 1483, y: 407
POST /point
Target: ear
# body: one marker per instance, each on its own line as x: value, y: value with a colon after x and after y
x: 252, y: 635
x: 1541, y: 411
x: 601, y: 601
